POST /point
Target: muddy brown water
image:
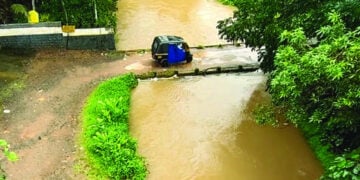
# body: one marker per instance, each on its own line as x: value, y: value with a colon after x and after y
x: 202, y: 128
x: 195, y: 20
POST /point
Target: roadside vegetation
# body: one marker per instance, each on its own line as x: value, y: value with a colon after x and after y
x: 110, y: 150
x: 320, y: 88
x: 5, y: 152
x: 311, y: 51
x: 91, y: 14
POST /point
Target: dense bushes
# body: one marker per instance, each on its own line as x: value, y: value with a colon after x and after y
x: 14, y: 11
x: 81, y: 13
x: 258, y: 24
x: 314, y: 68
x: 319, y: 86
x: 110, y: 150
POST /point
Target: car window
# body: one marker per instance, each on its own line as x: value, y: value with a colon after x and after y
x: 155, y: 45
x: 163, y: 48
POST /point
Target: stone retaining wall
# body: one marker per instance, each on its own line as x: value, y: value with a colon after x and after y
x: 50, y: 35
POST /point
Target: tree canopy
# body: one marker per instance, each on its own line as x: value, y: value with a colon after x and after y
x: 319, y: 86
x: 311, y: 50
x: 81, y: 13
x: 92, y: 13
x: 259, y: 23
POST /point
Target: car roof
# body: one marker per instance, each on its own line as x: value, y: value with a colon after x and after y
x: 167, y: 38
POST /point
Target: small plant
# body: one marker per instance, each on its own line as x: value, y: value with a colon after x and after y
x: 266, y: 115
x: 4, y: 148
x: 9, y: 155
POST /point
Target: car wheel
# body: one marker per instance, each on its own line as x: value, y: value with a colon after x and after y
x: 164, y: 63
x: 189, y: 58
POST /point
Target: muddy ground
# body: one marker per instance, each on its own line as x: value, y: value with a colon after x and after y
x: 44, y: 122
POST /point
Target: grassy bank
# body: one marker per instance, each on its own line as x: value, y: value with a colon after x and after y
x: 110, y: 150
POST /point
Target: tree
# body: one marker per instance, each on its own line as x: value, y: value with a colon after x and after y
x: 319, y: 86
x: 259, y: 23
x: 4, y: 11
x: 91, y: 14
x: 12, y: 12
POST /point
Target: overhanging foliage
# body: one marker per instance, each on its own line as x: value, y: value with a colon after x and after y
x: 319, y: 86
x: 259, y: 23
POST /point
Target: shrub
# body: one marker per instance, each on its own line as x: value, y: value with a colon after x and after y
x: 83, y: 17
x: 265, y: 115
x: 318, y: 85
x: 109, y: 148
x: 346, y: 166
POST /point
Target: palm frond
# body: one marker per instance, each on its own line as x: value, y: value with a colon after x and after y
x: 19, y: 9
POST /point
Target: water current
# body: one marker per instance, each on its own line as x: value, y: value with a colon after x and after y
x: 203, y: 128
x: 195, y: 20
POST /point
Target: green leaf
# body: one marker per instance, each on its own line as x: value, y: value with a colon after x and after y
x: 3, y: 143
x: 19, y: 9
x: 356, y: 170
x: 12, y: 156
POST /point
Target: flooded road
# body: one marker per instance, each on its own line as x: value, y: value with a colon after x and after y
x: 195, y: 20
x: 202, y: 128
x: 203, y: 58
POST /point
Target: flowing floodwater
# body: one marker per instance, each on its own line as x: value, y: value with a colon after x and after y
x: 195, y: 20
x: 202, y: 128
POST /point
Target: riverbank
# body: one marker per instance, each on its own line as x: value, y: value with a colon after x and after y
x: 43, y: 124
x: 110, y: 150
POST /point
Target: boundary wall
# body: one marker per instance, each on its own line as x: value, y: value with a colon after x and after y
x: 50, y: 35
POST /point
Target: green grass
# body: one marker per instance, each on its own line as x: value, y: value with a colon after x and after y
x: 110, y: 150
